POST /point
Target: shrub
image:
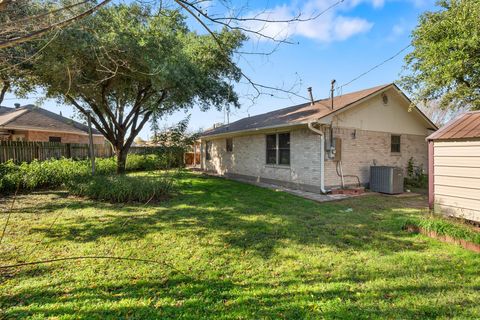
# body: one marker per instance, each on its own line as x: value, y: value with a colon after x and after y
x: 416, y: 178
x: 122, y: 188
x: 55, y: 173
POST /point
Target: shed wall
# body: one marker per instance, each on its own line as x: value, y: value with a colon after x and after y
x: 457, y: 178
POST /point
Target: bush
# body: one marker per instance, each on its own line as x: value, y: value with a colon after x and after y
x: 416, y: 178
x: 122, y: 188
x: 40, y: 174
x: 55, y: 173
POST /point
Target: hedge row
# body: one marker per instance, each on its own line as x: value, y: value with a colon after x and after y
x: 56, y: 173
x: 123, y: 188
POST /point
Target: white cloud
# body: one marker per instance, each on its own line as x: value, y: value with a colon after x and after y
x: 329, y: 27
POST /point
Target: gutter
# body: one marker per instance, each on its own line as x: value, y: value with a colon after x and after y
x: 322, y: 156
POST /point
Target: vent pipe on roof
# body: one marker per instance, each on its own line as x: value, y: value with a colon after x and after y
x: 17, y: 105
x: 332, y: 91
x: 311, y: 95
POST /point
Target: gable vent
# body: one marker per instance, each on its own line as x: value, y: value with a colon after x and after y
x: 384, y: 99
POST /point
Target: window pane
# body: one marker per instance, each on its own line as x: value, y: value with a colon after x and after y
x: 284, y: 156
x: 271, y: 141
x: 54, y: 139
x: 229, y: 145
x: 284, y: 140
x: 395, y: 144
x: 272, y: 156
x: 208, y: 150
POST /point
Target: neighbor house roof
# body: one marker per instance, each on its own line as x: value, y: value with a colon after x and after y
x: 465, y: 126
x: 30, y: 117
x: 300, y: 114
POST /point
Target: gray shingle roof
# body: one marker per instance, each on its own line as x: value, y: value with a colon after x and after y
x: 30, y: 117
x: 298, y: 114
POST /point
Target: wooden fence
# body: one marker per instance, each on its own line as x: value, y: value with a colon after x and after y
x: 24, y: 151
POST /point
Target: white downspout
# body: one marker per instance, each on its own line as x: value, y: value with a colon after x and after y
x: 322, y: 156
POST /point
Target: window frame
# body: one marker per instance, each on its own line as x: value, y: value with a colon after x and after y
x: 59, y: 139
x: 277, y: 149
x: 393, y: 145
x: 208, y: 151
x: 229, y: 146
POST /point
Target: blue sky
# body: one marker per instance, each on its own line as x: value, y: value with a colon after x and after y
x: 341, y: 44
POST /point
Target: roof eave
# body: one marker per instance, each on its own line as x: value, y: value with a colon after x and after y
x: 253, y: 130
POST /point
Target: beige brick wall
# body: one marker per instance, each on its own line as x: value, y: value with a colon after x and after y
x: 42, y: 136
x: 358, y: 154
x: 369, y: 148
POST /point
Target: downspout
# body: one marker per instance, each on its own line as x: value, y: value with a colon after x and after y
x: 322, y: 156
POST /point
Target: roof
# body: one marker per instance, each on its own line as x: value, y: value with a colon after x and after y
x: 300, y: 114
x: 31, y: 117
x: 465, y: 126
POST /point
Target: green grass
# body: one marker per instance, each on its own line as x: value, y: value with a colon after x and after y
x: 229, y: 250
x: 446, y: 226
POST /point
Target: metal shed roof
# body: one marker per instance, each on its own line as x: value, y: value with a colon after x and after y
x: 465, y: 126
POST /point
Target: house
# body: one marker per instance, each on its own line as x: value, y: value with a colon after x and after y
x: 31, y: 123
x: 454, y: 176
x: 315, y: 146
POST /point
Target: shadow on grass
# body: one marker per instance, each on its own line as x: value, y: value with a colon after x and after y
x: 241, y: 217
x: 244, y: 216
x: 186, y: 297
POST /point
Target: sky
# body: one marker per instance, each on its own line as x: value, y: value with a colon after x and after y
x: 342, y: 43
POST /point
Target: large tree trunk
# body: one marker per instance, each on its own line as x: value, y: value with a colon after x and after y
x: 121, y: 153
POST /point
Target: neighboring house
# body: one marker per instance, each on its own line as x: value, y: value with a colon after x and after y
x: 31, y: 123
x: 294, y: 146
x: 454, y: 168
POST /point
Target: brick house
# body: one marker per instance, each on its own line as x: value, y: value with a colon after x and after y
x: 31, y: 123
x: 314, y: 147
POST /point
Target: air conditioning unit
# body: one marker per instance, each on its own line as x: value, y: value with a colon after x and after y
x: 386, y: 179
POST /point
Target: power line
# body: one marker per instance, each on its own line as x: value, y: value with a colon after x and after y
x: 374, y: 67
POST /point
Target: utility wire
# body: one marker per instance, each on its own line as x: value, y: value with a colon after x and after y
x: 373, y: 68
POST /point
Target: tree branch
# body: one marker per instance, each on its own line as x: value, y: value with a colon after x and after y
x: 5, y: 87
x: 14, y: 41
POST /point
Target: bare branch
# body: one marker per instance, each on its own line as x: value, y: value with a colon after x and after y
x: 30, y: 36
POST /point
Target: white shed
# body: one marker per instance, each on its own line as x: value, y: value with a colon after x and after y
x: 454, y: 168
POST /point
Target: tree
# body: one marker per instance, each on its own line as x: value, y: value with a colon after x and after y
x: 125, y: 63
x: 176, y: 136
x: 445, y: 62
x: 23, y: 21
x: 440, y: 116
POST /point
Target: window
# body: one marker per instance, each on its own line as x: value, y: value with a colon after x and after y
x: 54, y: 139
x: 208, y: 150
x: 229, y: 144
x: 395, y: 144
x: 278, y: 148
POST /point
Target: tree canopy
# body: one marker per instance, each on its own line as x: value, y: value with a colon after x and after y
x: 445, y: 62
x: 125, y: 64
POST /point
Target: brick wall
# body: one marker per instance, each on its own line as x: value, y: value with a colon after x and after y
x: 358, y: 154
x: 42, y: 136
x: 362, y: 149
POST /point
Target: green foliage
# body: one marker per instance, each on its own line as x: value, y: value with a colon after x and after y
x: 447, y: 227
x: 127, y: 62
x: 55, y: 173
x: 445, y: 61
x: 416, y: 177
x: 122, y: 188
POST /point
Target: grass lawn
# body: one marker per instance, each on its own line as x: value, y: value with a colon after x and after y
x: 229, y: 250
